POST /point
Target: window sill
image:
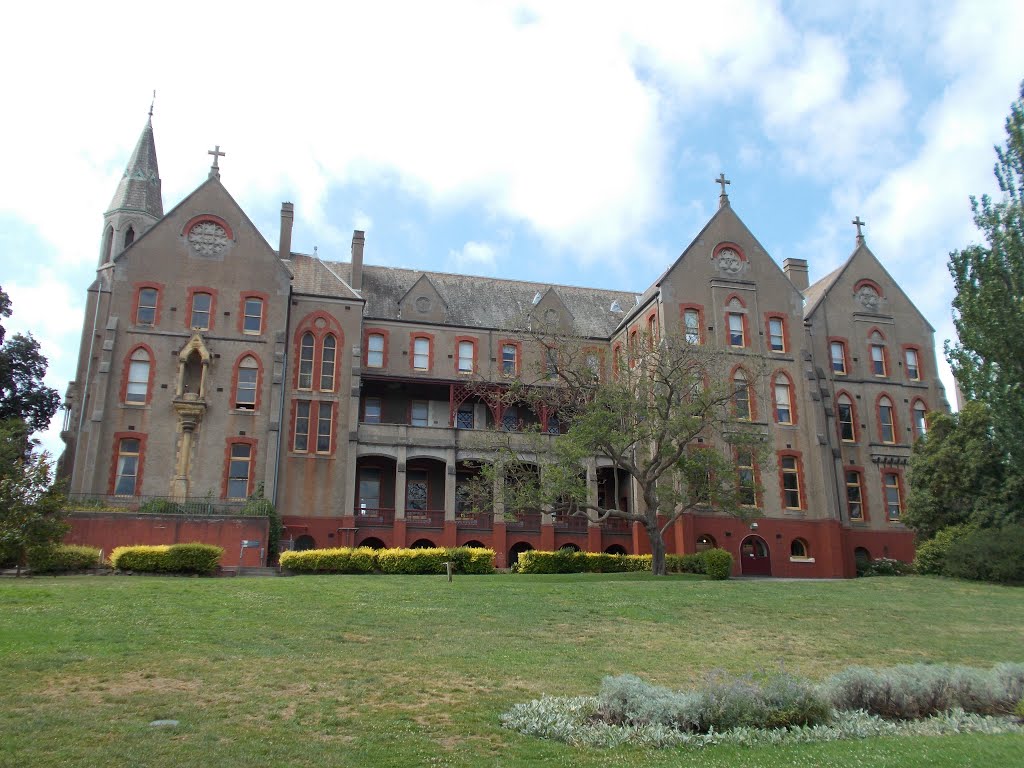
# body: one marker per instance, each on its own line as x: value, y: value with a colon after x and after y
x: 243, y: 411
x: 801, y: 559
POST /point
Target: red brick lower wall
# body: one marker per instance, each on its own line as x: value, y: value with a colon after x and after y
x: 107, y: 530
x: 830, y: 547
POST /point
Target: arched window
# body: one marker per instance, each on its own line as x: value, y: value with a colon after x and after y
x: 129, y: 237
x: 737, y: 323
x: 782, y: 389
x: 745, y: 477
x: 919, y: 413
x: 137, y: 388
x: 741, y: 395
x: 108, y: 245
x: 886, y: 420
x: 847, y: 417
x: 893, y: 495
x: 879, y: 361
x: 692, y: 324
x: 375, y: 350
x: 247, y: 383
x: 798, y: 548
x: 306, y: 361
x: 467, y: 355
x: 705, y: 542
x: 327, y: 363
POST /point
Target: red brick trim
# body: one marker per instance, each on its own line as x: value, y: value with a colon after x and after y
x: 920, y: 362
x: 159, y: 288
x: 263, y: 314
x: 474, y: 364
x: 118, y: 437
x: 651, y: 322
x: 308, y: 325
x: 699, y: 308
x: 895, y: 418
x: 728, y: 244
x: 884, y: 344
x: 318, y: 370
x: 846, y: 355
x: 800, y: 479
x: 192, y: 291
x: 430, y: 351
x: 259, y: 381
x: 367, y: 333
x: 865, y: 512
x: 600, y: 355
x: 502, y: 343
x: 868, y: 281
x: 751, y: 392
x: 124, y: 375
x: 207, y: 217
x: 853, y: 415
x: 251, y: 441
x: 793, y: 411
x: 768, y: 317
x: 616, y: 358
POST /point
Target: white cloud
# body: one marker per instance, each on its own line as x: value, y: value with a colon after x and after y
x: 361, y: 220
x: 474, y: 258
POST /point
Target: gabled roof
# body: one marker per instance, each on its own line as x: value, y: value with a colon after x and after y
x: 484, y: 302
x: 139, y: 188
x: 313, y: 277
x: 816, y: 292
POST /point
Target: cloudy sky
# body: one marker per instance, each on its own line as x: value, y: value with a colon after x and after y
x: 571, y: 142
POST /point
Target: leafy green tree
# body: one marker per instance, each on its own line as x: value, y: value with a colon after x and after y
x: 22, y: 367
x: 31, y: 508
x: 664, y: 416
x: 958, y: 474
x: 988, y: 359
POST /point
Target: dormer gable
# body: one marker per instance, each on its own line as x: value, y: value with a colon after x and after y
x: 550, y: 313
x: 424, y: 302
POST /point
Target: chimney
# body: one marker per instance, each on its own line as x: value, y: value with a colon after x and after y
x: 796, y: 271
x: 358, y: 240
x: 287, y: 215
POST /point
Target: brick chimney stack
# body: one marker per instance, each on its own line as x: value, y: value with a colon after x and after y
x: 287, y: 216
x: 358, y: 240
x: 796, y: 271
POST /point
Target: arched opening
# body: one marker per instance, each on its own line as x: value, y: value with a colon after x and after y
x: 517, y: 549
x: 422, y: 544
x: 862, y: 556
x: 798, y: 548
x: 108, y: 245
x: 705, y: 542
x: 755, y: 558
x: 615, y: 549
x: 129, y: 237
x: 373, y: 543
x: 304, y: 542
x: 569, y: 548
x: 193, y: 381
x: 474, y: 544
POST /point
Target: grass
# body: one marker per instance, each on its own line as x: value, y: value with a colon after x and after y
x: 353, y: 670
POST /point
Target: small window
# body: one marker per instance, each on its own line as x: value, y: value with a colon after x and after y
x: 372, y: 410
x: 798, y: 549
x: 705, y: 542
x: 741, y: 396
x: 838, y: 350
x: 129, y: 237
x: 776, y: 335
x: 419, y: 413
x: 306, y: 361
x: 465, y: 417
x: 238, y: 470
x: 920, y: 414
x: 421, y: 353
x: 886, y: 420
x: 375, y: 350
x: 783, y: 402
x: 551, y: 362
x: 893, y: 503
x: 510, y: 419
x: 301, y: 442
x: 137, y: 389
x: 324, y: 422
x: 202, y: 304
x: 245, y: 390
x: 467, y: 352
x: 691, y: 326
x: 878, y: 367
x: 509, y: 363
x: 737, y: 337
x: 126, y: 480
x: 913, y: 366
x: 252, y: 321
x: 593, y: 363
x: 854, y: 496
x: 745, y: 477
x: 554, y: 425
x: 327, y: 363
x: 847, y: 429
x: 790, y: 469
x: 145, y: 312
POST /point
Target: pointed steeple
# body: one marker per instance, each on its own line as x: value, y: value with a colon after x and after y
x: 139, y: 189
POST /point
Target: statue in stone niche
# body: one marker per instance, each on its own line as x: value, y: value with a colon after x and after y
x: 868, y: 298
x: 192, y: 382
x: 729, y: 262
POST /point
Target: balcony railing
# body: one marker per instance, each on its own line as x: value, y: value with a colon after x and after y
x: 482, y: 521
x: 617, y: 525
x: 374, y: 517
x: 523, y: 521
x: 424, y: 518
x: 570, y: 523
x: 166, y: 505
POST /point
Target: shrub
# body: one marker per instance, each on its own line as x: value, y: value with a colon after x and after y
x: 144, y: 558
x: 467, y: 560
x: 931, y: 555
x: 717, y: 563
x: 628, y: 700
x: 412, y: 561
x: 472, y: 560
x: 692, y: 563
x: 193, y: 558
x: 338, y: 560
x: 884, y: 566
x: 62, y: 558
x: 988, y: 554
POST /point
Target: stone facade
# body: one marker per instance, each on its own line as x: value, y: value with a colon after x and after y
x: 212, y: 365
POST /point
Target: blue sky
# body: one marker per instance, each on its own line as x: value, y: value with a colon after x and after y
x: 563, y: 142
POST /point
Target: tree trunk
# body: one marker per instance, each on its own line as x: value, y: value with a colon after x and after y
x: 657, y: 550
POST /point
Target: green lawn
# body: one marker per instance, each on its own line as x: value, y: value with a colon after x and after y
x: 353, y: 670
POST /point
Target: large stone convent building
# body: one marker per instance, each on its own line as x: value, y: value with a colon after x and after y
x: 212, y: 363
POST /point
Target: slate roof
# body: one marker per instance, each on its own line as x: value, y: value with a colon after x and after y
x: 312, y: 276
x: 139, y: 188
x: 815, y: 293
x: 475, y: 302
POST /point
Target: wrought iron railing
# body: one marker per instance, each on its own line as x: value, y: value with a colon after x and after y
x: 424, y: 518
x: 522, y: 521
x: 481, y: 521
x: 167, y: 505
x: 374, y: 516
x: 570, y: 522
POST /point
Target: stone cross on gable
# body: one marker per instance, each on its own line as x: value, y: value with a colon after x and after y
x: 217, y: 155
x: 858, y: 224
x: 723, y: 199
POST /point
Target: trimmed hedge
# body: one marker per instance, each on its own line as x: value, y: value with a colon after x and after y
x: 63, y: 558
x: 176, y: 558
x: 930, y: 557
x: 988, y: 554
x: 393, y: 561
x: 571, y: 561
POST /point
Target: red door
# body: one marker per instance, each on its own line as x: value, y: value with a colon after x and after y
x: 754, y: 557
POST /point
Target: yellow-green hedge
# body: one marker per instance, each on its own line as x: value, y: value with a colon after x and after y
x: 402, y: 561
x: 571, y: 561
x: 62, y: 558
x: 163, y: 558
